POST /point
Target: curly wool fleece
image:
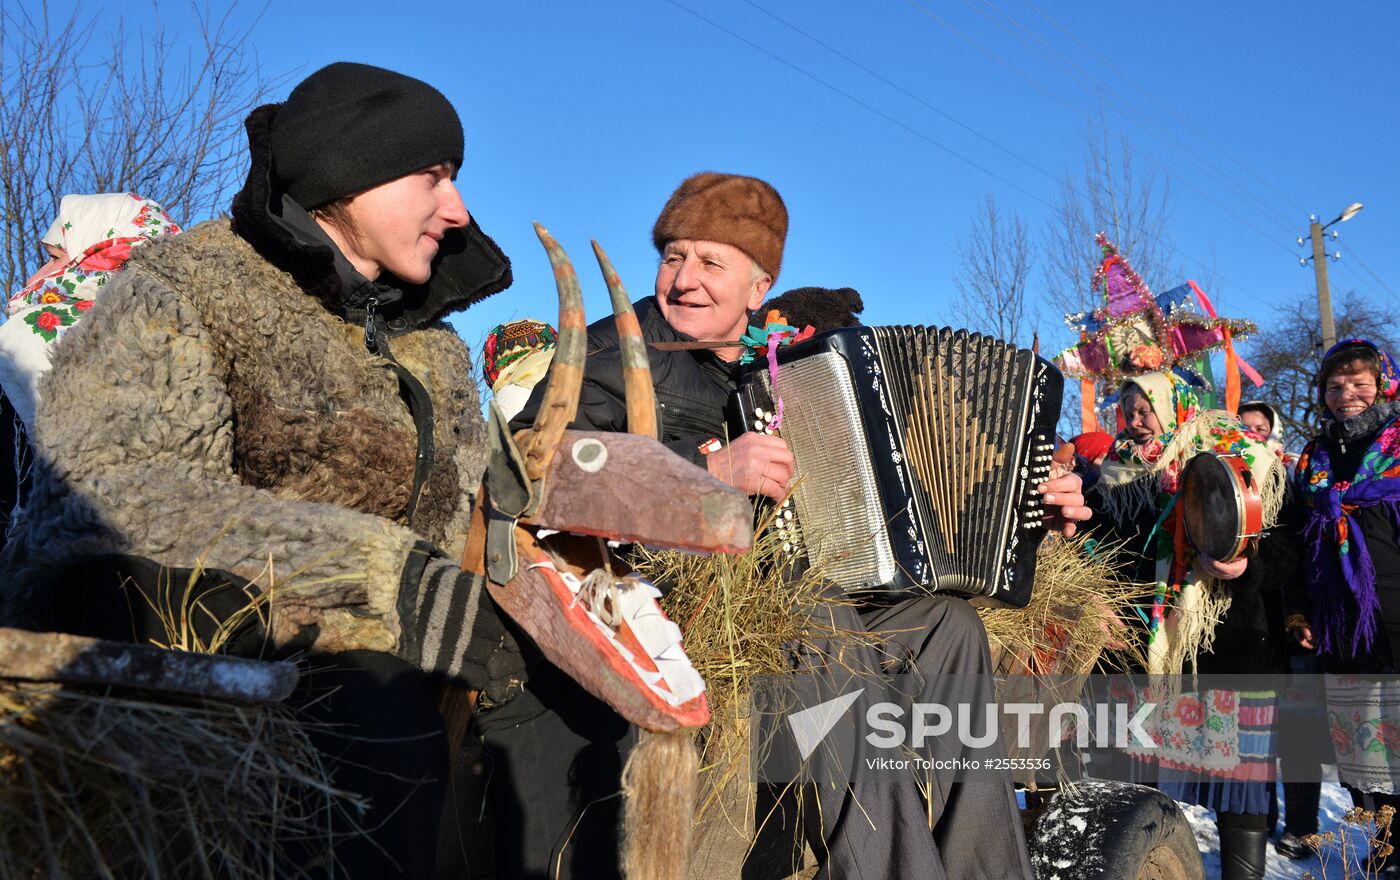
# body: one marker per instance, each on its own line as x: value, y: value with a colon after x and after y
x: 209, y: 408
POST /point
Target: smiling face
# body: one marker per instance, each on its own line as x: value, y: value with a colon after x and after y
x: 706, y: 290
x: 1349, y: 390
x: 396, y: 226
x: 1138, y: 416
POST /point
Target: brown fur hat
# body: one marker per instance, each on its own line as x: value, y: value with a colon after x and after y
x: 744, y: 212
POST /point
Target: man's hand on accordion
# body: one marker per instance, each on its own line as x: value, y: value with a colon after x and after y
x: 755, y: 464
x: 1063, y: 497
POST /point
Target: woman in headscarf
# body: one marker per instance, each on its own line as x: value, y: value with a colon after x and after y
x: 1207, y: 616
x: 1348, y: 483
x: 515, y: 357
x: 1266, y: 422
x: 90, y: 240
x: 272, y: 410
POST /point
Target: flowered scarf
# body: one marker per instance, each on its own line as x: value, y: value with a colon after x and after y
x: 98, y: 233
x: 1339, y: 565
x: 1187, y: 606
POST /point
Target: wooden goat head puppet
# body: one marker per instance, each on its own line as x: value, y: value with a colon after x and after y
x: 602, y: 631
x: 550, y: 501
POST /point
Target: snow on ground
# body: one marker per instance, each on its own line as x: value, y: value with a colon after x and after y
x: 1335, y: 802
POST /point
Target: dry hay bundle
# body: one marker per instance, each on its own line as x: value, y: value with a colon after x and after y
x: 737, y: 614
x: 104, y: 780
x: 101, y: 784
x: 738, y: 617
x: 1082, y: 603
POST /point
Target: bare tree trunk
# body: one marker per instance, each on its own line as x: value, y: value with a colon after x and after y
x: 85, y: 109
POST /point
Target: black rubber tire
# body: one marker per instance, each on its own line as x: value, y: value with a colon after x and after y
x: 1114, y: 831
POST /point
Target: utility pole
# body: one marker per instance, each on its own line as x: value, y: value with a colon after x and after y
x: 1324, y: 292
x: 1319, y: 258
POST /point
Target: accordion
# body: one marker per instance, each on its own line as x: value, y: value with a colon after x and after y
x: 918, y: 452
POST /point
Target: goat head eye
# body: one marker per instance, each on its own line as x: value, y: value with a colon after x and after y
x: 589, y: 454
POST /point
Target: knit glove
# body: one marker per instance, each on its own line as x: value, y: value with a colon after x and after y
x: 451, y: 628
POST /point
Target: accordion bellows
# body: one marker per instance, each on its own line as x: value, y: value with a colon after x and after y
x: 918, y: 452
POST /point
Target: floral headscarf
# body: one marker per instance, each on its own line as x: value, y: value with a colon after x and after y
x: 1275, y: 438
x: 1174, y: 403
x: 98, y: 233
x: 1140, y: 476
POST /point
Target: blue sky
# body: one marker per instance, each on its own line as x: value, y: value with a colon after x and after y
x: 585, y: 116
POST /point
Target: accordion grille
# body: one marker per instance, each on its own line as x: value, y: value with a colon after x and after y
x: 838, y: 501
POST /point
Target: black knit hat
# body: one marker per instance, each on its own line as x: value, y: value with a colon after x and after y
x: 348, y: 127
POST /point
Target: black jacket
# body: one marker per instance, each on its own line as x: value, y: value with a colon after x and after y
x: 1382, y: 544
x: 1251, y: 638
x: 692, y: 387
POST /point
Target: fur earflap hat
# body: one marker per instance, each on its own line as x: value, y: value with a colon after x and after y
x: 744, y: 212
x: 348, y: 127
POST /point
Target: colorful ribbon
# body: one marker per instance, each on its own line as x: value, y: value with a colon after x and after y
x: 1234, y: 364
x: 775, y: 332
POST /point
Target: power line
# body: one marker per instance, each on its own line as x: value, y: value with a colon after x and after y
x: 903, y: 91
x: 1122, y: 102
x: 1351, y: 252
x: 1186, y: 122
x: 852, y: 98
x: 1360, y: 283
x: 1202, y: 193
x: 1062, y: 29
x: 922, y: 136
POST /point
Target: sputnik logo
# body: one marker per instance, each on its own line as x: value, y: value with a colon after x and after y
x: 810, y: 726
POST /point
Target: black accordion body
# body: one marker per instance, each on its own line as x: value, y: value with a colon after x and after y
x: 918, y: 452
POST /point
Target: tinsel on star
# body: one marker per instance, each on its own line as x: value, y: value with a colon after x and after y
x: 1136, y: 332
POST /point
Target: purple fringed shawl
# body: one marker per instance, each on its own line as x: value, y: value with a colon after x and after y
x: 1339, y: 564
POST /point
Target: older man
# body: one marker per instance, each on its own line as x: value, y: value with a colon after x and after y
x: 720, y: 239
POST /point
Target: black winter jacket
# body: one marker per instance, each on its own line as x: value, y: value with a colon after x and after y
x: 692, y: 387
x: 1250, y: 639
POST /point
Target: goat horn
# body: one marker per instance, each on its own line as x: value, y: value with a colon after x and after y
x: 560, y: 402
x: 636, y: 369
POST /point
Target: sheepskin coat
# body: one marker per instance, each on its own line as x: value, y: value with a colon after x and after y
x: 211, y: 409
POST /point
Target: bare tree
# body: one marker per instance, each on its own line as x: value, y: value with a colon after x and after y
x: 84, y: 110
x: 1113, y: 194
x: 994, y: 265
x: 1289, y: 353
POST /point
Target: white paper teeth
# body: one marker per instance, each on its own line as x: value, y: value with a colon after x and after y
x: 677, y: 682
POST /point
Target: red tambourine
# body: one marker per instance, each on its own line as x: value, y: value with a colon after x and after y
x: 1222, y: 509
